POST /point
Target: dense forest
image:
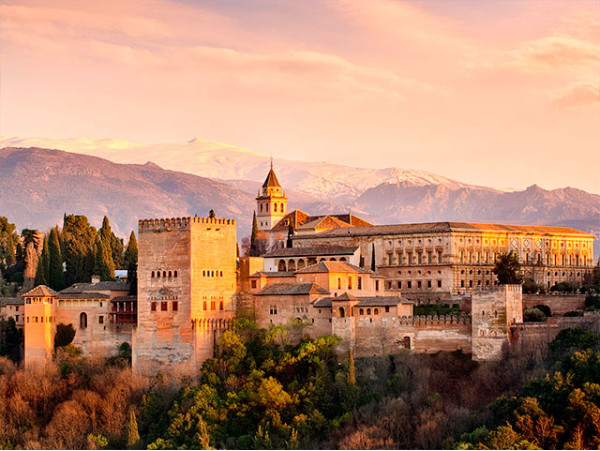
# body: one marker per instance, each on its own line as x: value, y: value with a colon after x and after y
x: 62, y: 256
x: 262, y: 392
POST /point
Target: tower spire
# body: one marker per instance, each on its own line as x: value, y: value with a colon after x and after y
x: 271, y: 162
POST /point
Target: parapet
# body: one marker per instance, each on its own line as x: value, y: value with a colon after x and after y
x: 169, y: 224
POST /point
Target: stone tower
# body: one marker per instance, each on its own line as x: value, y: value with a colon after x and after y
x: 271, y: 204
x: 186, y: 290
x: 39, y: 326
x: 493, y: 311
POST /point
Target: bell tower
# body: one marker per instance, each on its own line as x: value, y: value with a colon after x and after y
x: 271, y: 204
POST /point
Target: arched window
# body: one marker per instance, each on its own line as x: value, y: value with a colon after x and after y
x: 83, y: 320
x: 220, y: 273
x: 361, y: 311
x: 342, y: 312
x: 301, y: 264
x: 170, y: 274
x: 376, y: 311
x: 152, y: 274
x: 212, y: 274
x: 343, y: 259
x: 175, y: 273
x: 274, y: 207
x: 281, y: 266
x: 291, y: 265
x: 157, y: 273
x: 164, y: 273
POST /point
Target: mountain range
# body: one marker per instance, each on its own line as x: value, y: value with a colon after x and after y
x: 39, y: 185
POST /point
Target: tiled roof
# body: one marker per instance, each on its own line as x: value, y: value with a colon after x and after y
x: 372, y: 301
x: 324, y: 222
x: 296, y: 218
x: 311, y: 251
x: 273, y: 274
x: 11, y: 301
x: 441, y: 227
x: 329, y: 266
x: 124, y: 299
x: 292, y: 289
x: 271, y: 179
x: 382, y: 301
x: 41, y: 290
x: 98, y: 286
x: 84, y: 295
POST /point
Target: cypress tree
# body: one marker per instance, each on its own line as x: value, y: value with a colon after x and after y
x: 41, y: 274
x: 130, y: 261
x: 112, y: 243
x: 253, y: 237
x: 133, y: 435
x: 105, y: 266
x: 56, y: 277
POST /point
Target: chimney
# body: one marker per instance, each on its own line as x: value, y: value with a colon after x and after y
x: 95, y: 279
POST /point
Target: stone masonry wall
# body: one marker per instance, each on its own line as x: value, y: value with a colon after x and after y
x: 559, y: 304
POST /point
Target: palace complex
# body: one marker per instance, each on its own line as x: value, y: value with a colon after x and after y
x: 329, y: 274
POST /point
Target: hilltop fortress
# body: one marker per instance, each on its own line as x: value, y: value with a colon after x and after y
x: 331, y: 274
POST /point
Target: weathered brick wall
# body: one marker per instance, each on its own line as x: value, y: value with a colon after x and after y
x: 559, y: 304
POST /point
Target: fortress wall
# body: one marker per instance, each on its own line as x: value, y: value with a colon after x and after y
x: 559, y: 303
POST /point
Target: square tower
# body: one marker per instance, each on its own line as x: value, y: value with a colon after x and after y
x: 186, y: 290
x: 39, y: 328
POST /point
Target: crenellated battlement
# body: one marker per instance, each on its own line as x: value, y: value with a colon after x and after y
x: 168, y: 224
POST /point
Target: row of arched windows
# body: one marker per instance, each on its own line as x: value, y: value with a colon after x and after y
x: 164, y: 274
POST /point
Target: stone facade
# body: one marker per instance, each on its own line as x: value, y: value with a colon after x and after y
x: 186, y: 291
x: 89, y: 307
x: 13, y: 308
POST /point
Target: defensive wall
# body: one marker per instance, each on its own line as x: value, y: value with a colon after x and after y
x: 559, y: 303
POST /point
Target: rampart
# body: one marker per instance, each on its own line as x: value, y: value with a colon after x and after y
x: 559, y: 303
x: 183, y: 223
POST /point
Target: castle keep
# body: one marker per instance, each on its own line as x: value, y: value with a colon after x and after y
x: 186, y: 288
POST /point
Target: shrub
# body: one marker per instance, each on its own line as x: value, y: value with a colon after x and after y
x: 573, y: 314
x: 530, y: 287
x: 565, y: 287
x: 592, y: 301
x: 533, y: 315
x: 545, y: 309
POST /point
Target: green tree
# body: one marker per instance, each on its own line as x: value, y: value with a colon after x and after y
x: 112, y: 242
x: 56, y: 275
x: 105, y: 266
x: 254, y: 252
x: 79, y: 248
x: 130, y: 262
x: 42, y: 272
x: 508, y: 269
x: 133, y: 436
x: 64, y: 335
x: 8, y: 243
x: 11, y: 340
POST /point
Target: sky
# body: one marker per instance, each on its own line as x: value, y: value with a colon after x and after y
x: 498, y: 92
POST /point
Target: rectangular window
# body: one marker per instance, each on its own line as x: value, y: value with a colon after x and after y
x: 399, y: 284
x: 213, y: 305
x: 429, y: 284
x: 204, y: 306
x: 220, y: 305
x: 462, y: 283
x: 175, y: 306
x: 349, y: 283
x: 419, y: 284
x: 28, y: 319
x: 377, y: 285
x: 439, y: 284
x: 273, y: 309
x: 254, y: 284
x: 429, y: 258
x: 339, y: 283
x: 420, y: 258
x: 409, y: 284
x: 153, y: 307
x: 163, y: 306
x: 470, y: 283
x: 101, y: 320
x: 389, y: 259
x: 360, y: 283
x: 387, y: 309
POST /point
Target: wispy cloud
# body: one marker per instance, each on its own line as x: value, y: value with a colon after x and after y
x: 578, y: 94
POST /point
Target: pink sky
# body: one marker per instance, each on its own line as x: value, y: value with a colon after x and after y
x: 499, y: 93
